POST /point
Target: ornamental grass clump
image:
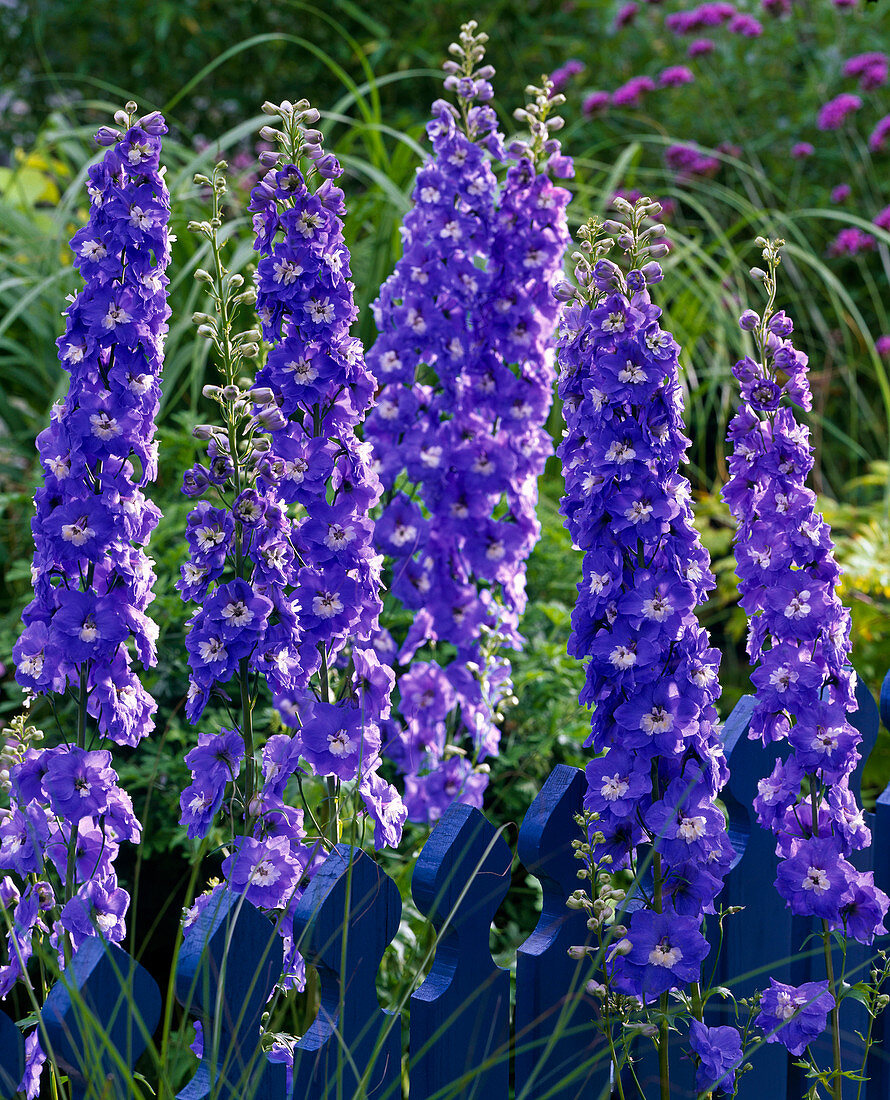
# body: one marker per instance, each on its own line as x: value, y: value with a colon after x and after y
x: 465, y: 366
x: 87, y: 624
x: 651, y: 675
x: 799, y: 642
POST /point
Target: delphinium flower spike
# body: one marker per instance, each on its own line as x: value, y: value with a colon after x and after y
x: 282, y: 561
x: 651, y: 675
x: 463, y: 357
x: 320, y: 469
x: 92, y: 578
x: 799, y: 640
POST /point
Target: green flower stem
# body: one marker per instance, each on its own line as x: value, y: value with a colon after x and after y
x: 837, y: 1080
x: 71, y: 868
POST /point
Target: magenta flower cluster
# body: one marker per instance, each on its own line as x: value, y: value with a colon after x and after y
x: 651, y: 676
x: 799, y: 640
x: 466, y: 376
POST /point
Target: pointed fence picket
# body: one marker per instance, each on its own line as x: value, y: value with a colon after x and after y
x: 463, y: 1039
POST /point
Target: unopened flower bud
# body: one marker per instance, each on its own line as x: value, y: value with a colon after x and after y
x: 153, y: 124
x: 202, y: 431
x: 106, y: 135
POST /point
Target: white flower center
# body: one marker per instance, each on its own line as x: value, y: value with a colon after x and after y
x: 622, y: 656
x: 816, y: 880
x: 237, y: 613
x: 691, y: 828
x: 212, y: 651
x: 657, y: 721
x: 662, y: 954
x: 614, y: 787
x: 326, y: 605
x: 657, y: 608
x: 798, y: 607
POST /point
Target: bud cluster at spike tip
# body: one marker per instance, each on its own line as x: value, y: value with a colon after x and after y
x: 651, y: 675
x: 799, y: 636
x: 465, y: 364
x: 92, y: 579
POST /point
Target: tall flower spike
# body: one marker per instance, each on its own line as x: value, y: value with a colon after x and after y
x: 92, y: 578
x: 799, y: 636
x: 651, y: 676
x: 464, y: 355
x: 317, y: 466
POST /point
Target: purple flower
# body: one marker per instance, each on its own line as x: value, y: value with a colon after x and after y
x: 265, y: 871
x: 794, y: 1016
x: 560, y: 77
x: 98, y: 908
x: 594, y: 102
x: 626, y: 14
x: 802, y: 149
x: 720, y: 1052
x: 666, y: 951
x: 877, y: 139
x: 700, y: 47
x: 833, y: 114
x: 870, y: 68
x: 632, y: 92
x: 882, y: 219
x: 675, y: 76
x: 851, y: 241
x: 882, y: 345
x: 459, y: 423
x: 816, y: 880
x: 337, y: 741
x: 840, y: 193
x: 217, y: 758
x: 78, y: 783
x: 651, y: 676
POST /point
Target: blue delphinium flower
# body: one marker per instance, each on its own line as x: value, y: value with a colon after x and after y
x: 87, y: 623
x: 651, y: 676
x: 465, y: 367
x: 794, y: 1015
x: 719, y: 1050
x: 799, y: 638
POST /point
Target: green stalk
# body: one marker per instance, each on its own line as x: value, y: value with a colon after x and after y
x: 664, y: 1069
x: 836, y: 1091
x: 71, y: 868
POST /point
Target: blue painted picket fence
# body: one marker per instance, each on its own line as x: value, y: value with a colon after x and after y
x: 463, y: 1038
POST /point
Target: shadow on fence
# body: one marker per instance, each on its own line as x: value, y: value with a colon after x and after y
x: 100, y: 1016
